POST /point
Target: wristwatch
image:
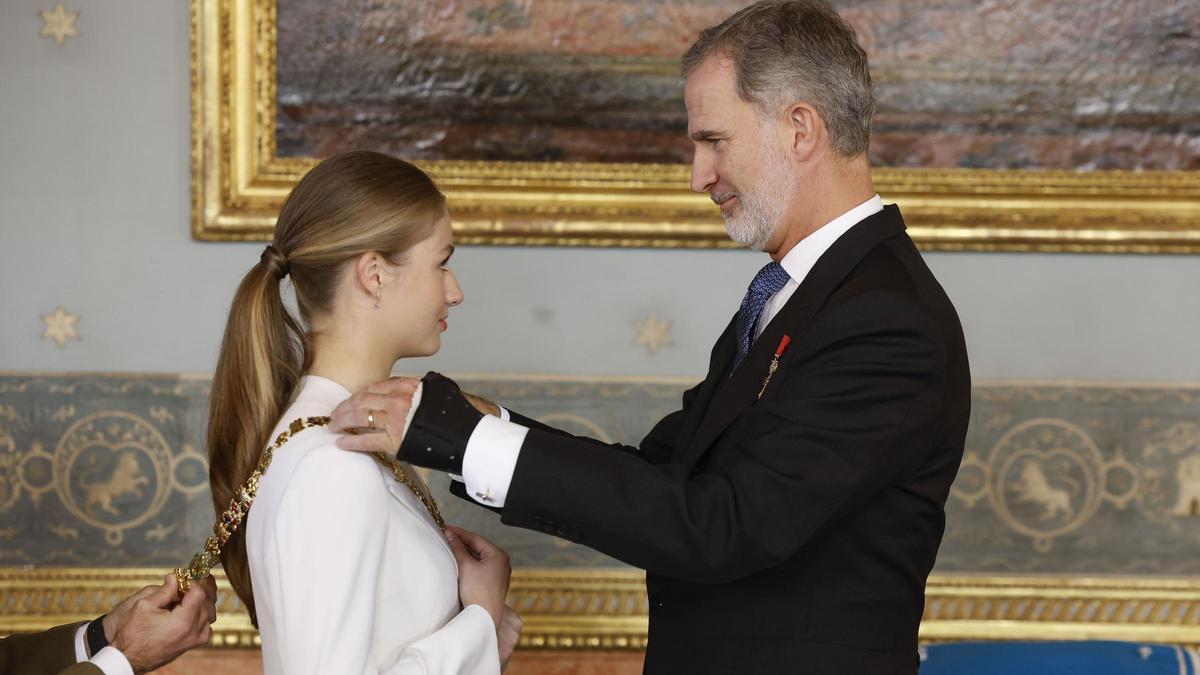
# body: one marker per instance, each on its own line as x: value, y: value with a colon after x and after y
x: 96, y: 640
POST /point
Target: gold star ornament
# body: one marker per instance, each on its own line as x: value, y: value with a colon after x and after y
x: 60, y: 326
x: 653, y: 334
x: 59, y: 24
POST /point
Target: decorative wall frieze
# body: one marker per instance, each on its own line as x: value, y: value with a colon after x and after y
x: 1073, y: 515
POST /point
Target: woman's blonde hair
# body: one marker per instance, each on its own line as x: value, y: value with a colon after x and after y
x: 348, y: 205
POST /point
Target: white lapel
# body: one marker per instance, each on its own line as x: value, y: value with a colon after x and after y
x: 401, y: 493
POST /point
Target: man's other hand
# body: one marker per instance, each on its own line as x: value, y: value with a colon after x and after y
x: 154, y: 626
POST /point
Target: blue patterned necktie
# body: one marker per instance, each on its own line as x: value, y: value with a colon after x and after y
x: 769, y: 280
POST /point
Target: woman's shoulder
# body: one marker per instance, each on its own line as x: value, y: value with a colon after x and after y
x: 311, y: 461
x: 335, y: 471
x: 323, y: 503
x: 310, y: 466
x: 322, y: 491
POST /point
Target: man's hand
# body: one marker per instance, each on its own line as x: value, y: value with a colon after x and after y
x: 482, y: 405
x: 373, y: 419
x: 153, y: 626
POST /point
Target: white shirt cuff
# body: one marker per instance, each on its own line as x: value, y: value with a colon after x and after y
x: 81, y: 644
x: 110, y: 660
x: 491, y: 458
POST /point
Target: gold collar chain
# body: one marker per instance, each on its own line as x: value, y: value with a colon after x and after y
x: 233, y: 516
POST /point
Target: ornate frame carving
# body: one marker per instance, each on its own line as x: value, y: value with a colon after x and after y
x: 606, y: 609
x: 238, y: 182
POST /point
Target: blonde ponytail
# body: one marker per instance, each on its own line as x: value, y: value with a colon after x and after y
x: 260, y: 362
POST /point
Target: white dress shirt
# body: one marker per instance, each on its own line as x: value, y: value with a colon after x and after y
x: 800, y: 260
x: 492, y: 450
x: 350, y: 573
x: 109, y: 660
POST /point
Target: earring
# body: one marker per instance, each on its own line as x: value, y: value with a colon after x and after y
x: 378, y: 291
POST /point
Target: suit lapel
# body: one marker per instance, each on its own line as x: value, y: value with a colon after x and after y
x: 729, y: 398
x: 734, y: 394
x: 718, y: 367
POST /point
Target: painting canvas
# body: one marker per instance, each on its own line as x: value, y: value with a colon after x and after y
x: 997, y: 84
x: 1003, y: 125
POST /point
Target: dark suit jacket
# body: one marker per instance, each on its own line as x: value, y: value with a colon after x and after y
x: 792, y: 533
x: 47, y: 653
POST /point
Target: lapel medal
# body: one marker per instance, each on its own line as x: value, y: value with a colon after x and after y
x: 783, y: 345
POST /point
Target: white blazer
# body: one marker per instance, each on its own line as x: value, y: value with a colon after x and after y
x: 350, y: 573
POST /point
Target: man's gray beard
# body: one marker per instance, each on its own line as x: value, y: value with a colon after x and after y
x: 762, y: 209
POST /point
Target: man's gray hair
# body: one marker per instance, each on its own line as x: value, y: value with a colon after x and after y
x: 786, y: 51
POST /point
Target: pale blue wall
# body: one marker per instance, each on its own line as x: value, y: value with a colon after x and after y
x: 94, y: 215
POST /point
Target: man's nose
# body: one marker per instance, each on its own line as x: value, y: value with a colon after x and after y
x: 704, y: 175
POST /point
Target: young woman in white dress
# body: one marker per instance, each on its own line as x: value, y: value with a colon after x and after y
x: 341, y: 560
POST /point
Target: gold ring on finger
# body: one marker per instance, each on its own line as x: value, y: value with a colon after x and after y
x: 370, y: 419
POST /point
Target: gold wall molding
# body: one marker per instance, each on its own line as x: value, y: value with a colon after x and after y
x: 606, y: 609
x: 238, y: 182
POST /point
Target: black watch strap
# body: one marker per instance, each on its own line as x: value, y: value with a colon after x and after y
x: 95, y: 636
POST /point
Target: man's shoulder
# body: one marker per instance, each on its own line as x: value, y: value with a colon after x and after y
x: 885, y: 268
x: 889, y: 290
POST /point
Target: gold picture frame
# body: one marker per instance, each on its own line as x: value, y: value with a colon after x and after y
x: 239, y: 183
x: 607, y: 609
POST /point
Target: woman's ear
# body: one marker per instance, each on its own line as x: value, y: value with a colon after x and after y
x: 368, y: 273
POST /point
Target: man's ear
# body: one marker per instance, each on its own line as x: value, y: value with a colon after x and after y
x: 368, y: 273
x: 807, y: 130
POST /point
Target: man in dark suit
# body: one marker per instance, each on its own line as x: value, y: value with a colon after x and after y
x: 144, y: 632
x: 789, y: 513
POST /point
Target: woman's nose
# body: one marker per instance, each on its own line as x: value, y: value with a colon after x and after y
x: 454, y: 292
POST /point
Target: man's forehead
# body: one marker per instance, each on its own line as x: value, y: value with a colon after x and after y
x: 712, y: 72
x: 709, y: 91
